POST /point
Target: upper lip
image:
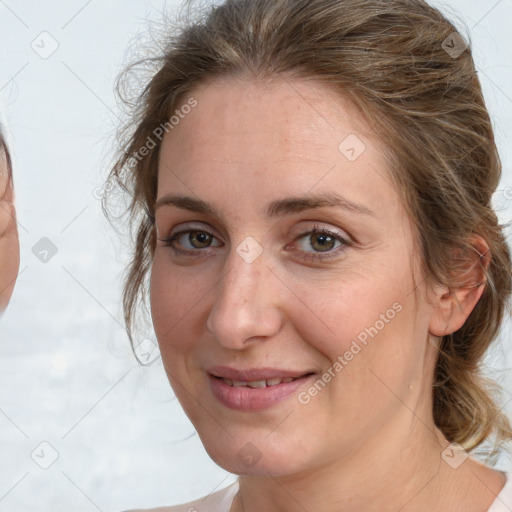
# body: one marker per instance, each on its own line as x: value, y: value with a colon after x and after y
x: 252, y: 374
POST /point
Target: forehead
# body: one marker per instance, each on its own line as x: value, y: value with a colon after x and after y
x: 257, y: 138
x: 282, y: 114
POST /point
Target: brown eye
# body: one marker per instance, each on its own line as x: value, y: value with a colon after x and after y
x: 202, y: 238
x: 190, y: 241
x: 322, y: 241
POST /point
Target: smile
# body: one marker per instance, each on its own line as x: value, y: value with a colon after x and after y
x: 235, y: 389
x: 256, y: 384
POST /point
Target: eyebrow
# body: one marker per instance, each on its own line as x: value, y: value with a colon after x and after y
x: 277, y: 208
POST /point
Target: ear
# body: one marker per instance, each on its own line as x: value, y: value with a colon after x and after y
x: 452, y: 307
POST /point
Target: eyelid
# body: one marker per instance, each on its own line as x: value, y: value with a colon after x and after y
x: 345, y: 242
x: 163, y: 233
x: 300, y: 231
x: 317, y: 256
x: 315, y: 225
x: 192, y: 226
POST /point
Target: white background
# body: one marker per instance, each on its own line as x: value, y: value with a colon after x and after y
x: 67, y: 375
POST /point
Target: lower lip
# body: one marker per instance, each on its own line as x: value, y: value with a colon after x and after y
x: 249, y: 399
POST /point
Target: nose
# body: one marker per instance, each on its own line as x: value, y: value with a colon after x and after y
x: 246, y: 306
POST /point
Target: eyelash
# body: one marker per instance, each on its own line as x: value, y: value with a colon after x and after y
x: 171, y: 242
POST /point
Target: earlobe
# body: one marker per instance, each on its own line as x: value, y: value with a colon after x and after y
x: 453, y: 306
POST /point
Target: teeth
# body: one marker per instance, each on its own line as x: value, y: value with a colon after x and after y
x: 256, y: 384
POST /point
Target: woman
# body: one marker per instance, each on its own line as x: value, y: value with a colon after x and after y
x: 311, y: 185
x: 9, y: 244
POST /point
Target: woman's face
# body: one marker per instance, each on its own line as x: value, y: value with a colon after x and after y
x: 9, y: 245
x: 249, y: 293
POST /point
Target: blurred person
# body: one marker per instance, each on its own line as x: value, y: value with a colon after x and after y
x: 9, y: 243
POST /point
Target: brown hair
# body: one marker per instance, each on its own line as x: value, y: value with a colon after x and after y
x: 425, y: 103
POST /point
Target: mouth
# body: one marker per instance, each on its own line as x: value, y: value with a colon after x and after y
x: 262, y: 383
x: 256, y: 388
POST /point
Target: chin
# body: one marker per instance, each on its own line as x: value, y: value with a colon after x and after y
x: 251, y: 455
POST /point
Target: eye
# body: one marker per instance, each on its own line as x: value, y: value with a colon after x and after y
x: 198, y: 239
x: 323, y: 241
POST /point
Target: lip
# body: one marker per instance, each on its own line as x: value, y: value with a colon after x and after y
x: 248, y: 399
x: 247, y: 374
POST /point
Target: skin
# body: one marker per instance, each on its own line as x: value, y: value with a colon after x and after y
x: 367, y: 441
x: 9, y: 244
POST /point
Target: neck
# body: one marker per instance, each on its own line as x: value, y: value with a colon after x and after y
x: 398, y: 469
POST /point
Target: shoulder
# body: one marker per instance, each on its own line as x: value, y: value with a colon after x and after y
x: 503, y: 501
x: 219, y: 501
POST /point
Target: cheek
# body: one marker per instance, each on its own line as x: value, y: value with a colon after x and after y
x: 176, y: 295
x: 175, y: 301
x: 368, y: 328
x: 334, y: 311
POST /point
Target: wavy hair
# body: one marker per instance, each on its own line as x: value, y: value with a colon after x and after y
x: 403, y: 64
